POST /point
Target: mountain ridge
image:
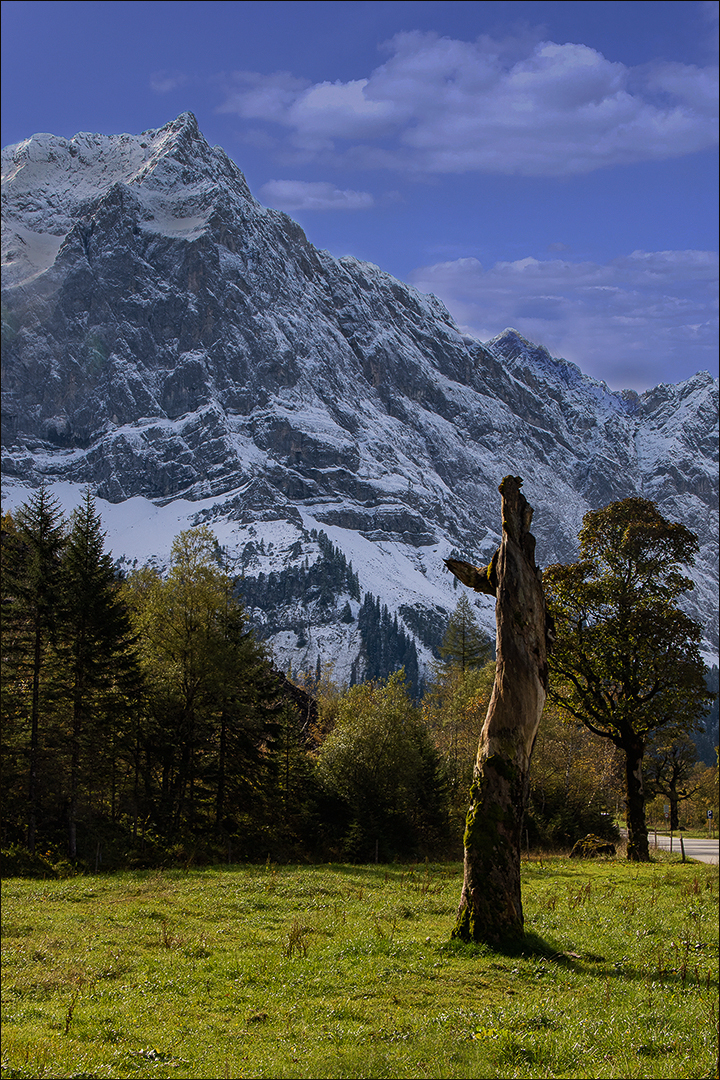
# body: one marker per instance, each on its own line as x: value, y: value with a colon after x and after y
x: 185, y: 343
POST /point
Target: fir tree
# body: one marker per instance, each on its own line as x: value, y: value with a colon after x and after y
x: 32, y: 547
x: 465, y: 643
x: 97, y: 644
x: 387, y: 647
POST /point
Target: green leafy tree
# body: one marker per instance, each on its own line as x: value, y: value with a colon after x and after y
x: 626, y: 660
x: 669, y: 771
x: 575, y: 783
x: 457, y: 696
x: 380, y: 762
x: 32, y: 546
x: 704, y: 780
x: 454, y: 707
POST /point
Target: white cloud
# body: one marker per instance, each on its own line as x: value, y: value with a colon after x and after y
x: 633, y: 322
x: 313, y: 195
x: 162, y: 82
x: 439, y: 105
x: 263, y: 97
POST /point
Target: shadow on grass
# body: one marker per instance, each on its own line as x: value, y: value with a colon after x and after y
x: 526, y: 947
x: 534, y: 947
x: 381, y: 873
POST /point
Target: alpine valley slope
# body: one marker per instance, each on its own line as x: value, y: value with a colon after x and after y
x: 188, y: 354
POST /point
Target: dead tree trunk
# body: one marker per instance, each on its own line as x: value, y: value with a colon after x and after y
x: 491, y: 905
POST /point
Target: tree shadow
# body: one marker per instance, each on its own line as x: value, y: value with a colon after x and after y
x: 528, y: 946
x: 534, y: 947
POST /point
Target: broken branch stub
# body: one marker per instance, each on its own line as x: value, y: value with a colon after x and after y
x: 491, y: 904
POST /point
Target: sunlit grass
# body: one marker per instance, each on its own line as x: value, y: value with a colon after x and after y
x: 343, y: 971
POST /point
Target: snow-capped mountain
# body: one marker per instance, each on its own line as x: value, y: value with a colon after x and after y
x: 190, y: 355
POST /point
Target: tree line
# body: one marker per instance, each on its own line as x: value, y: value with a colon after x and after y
x: 139, y: 714
x: 143, y: 722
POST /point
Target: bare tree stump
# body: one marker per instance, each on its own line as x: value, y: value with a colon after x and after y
x: 491, y: 904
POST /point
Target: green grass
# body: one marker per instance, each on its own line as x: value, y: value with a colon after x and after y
x: 343, y: 971
x: 692, y: 834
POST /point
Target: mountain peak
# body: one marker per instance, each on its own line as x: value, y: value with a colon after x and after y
x: 179, y: 135
x: 186, y: 121
x: 50, y: 183
x: 176, y: 342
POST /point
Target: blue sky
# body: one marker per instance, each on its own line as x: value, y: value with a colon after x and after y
x: 547, y: 166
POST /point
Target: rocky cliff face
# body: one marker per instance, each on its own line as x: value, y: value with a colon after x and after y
x: 167, y: 337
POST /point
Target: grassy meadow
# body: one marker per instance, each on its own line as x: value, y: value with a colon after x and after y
x: 348, y: 971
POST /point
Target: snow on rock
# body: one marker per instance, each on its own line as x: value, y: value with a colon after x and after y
x: 192, y: 357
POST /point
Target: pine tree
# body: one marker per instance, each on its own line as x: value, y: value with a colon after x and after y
x: 237, y: 753
x: 456, y: 682
x: 386, y: 646
x: 32, y: 547
x: 97, y: 644
x: 465, y: 643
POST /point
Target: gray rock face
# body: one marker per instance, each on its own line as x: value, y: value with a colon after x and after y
x: 165, y: 335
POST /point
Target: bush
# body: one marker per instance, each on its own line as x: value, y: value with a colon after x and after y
x: 17, y: 861
x: 562, y: 822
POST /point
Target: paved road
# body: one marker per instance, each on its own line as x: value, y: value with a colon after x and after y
x: 703, y: 850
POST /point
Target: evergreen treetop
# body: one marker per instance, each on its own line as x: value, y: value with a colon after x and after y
x: 465, y: 643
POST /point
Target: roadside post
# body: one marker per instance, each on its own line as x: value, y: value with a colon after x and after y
x: 710, y: 822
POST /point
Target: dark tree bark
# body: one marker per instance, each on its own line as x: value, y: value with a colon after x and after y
x: 78, y: 726
x: 491, y: 904
x: 222, y: 756
x: 638, y: 849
